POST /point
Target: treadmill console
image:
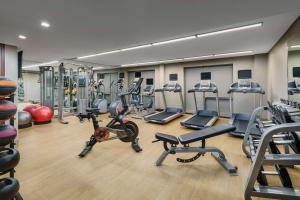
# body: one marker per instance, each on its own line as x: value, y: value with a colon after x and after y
x: 297, y: 82
x: 205, y: 84
x: 244, y: 84
x: 244, y: 77
x: 149, y: 90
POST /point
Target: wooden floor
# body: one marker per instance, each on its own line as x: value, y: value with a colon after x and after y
x: 51, y: 170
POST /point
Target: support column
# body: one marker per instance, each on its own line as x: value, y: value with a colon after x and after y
x: 2, y: 59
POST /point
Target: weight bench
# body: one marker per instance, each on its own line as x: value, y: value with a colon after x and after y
x: 187, y: 139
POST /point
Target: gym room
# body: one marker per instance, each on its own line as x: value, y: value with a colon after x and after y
x: 148, y: 99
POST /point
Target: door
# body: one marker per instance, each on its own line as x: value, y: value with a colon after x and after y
x: 221, y: 76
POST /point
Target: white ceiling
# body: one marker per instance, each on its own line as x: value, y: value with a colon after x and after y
x: 83, y: 27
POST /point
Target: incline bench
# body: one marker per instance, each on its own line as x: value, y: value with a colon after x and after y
x: 195, y: 136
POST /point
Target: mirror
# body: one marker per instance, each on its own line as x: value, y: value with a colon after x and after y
x: 294, y: 65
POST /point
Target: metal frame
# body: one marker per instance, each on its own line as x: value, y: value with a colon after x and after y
x: 175, y: 115
x: 261, y: 159
x: 252, y: 90
x: 212, y: 89
x: 215, y: 152
x: 47, y: 86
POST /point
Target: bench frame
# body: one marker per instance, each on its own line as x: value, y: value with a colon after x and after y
x: 215, y: 152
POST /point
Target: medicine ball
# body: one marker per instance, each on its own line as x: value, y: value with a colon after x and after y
x: 7, y: 87
x: 7, y: 109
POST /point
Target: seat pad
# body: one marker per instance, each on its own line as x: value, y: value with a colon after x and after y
x: 205, y: 133
x: 167, y: 138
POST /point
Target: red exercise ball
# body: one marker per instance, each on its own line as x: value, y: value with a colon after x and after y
x: 7, y: 109
x: 42, y: 114
x: 31, y: 108
x: 7, y: 87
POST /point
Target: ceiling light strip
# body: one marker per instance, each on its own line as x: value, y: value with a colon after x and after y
x: 233, y: 53
x: 295, y: 46
x: 176, y: 40
x: 230, y: 30
x: 188, y: 58
x: 41, y: 64
x: 137, y: 47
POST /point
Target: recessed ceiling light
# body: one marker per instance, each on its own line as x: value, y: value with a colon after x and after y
x: 23, y: 37
x: 295, y: 46
x: 45, y: 24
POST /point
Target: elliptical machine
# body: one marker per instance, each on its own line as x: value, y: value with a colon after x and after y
x: 125, y: 130
x: 99, y: 100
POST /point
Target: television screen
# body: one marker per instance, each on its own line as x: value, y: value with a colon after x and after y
x: 244, y: 74
x: 149, y: 81
x: 296, y: 72
x: 173, y: 77
x: 121, y: 75
x: 137, y: 74
x: 205, y: 75
x: 100, y: 76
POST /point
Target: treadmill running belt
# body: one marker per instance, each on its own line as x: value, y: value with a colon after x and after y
x: 161, y: 116
x: 198, y: 120
x: 241, y: 126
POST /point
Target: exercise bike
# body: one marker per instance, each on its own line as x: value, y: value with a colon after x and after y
x: 124, y: 130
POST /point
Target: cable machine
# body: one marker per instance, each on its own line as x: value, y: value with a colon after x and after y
x: 47, y: 84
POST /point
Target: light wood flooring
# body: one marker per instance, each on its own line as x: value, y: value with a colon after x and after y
x: 51, y: 170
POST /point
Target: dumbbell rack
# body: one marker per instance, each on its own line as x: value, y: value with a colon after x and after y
x: 280, y: 131
x: 6, y: 191
x: 261, y: 159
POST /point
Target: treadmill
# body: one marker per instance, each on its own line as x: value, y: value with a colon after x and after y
x: 169, y: 113
x: 244, y: 86
x: 203, y: 118
x: 294, y: 86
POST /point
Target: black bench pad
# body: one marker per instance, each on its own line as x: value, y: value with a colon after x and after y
x: 205, y: 133
x: 167, y: 138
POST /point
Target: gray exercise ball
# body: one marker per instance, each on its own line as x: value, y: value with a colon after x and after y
x: 24, y: 119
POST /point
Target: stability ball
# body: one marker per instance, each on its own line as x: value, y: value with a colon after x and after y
x: 24, y: 119
x: 42, y: 114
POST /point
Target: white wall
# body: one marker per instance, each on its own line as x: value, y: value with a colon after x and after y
x: 293, y: 61
x: 31, y: 87
x: 277, y: 65
x: 11, y: 62
x: 11, y: 69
